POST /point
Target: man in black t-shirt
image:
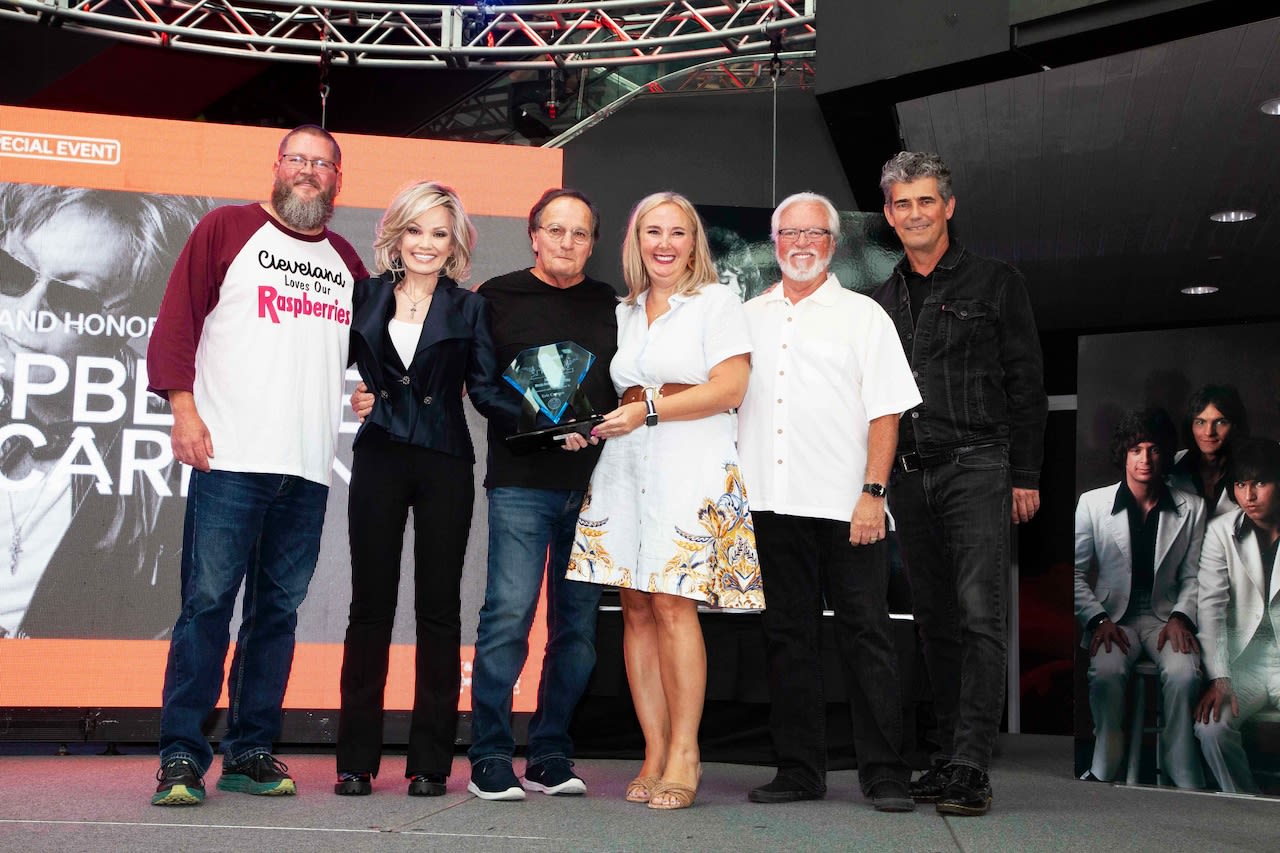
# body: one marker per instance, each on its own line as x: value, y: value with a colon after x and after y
x: 533, y: 511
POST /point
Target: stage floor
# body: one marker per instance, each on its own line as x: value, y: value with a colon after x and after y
x: 101, y: 803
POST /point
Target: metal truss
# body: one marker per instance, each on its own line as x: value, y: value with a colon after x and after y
x: 493, y: 35
x: 586, y: 97
x: 793, y: 70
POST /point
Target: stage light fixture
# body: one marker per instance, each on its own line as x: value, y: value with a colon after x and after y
x: 1239, y: 215
x: 1199, y: 289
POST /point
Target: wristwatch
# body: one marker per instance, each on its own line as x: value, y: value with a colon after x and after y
x: 651, y: 406
x: 876, y: 490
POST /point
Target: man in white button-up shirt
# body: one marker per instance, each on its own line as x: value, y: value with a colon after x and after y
x: 817, y: 434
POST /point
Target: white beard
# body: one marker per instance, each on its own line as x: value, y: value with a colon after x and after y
x: 803, y: 274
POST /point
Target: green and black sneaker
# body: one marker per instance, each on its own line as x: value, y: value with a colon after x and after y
x: 260, y: 773
x: 180, y: 784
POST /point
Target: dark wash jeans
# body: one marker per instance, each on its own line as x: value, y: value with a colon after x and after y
x: 262, y: 530
x: 953, y: 529
x: 387, y: 478
x: 800, y: 558
x: 530, y: 536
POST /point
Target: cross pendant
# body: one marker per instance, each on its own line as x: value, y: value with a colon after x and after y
x: 413, y: 311
x: 15, y: 551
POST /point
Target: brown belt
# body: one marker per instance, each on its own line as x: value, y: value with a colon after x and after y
x: 635, y: 394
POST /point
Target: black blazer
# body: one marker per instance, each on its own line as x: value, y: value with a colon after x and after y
x: 422, y: 405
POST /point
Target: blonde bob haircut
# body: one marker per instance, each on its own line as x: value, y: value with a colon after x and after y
x: 410, y: 203
x: 702, y: 270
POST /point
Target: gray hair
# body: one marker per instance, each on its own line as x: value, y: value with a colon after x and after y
x: 908, y: 166
x: 833, y: 216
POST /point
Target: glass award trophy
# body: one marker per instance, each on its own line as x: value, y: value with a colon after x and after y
x: 549, y: 380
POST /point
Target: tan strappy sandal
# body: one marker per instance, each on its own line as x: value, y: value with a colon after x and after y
x: 641, y: 788
x: 682, y: 796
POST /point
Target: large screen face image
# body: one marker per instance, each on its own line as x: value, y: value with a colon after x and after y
x: 93, y: 213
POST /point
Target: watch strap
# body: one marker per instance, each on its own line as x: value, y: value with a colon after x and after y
x: 651, y: 412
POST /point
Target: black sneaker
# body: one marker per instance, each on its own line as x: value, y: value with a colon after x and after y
x: 354, y: 785
x: 493, y: 779
x: 932, y: 784
x: 180, y: 784
x: 890, y: 795
x: 968, y: 794
x: 554, y: 776
x: 261, y: 773
x: 427, y: 785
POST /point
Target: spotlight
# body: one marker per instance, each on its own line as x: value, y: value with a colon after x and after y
x: 1199, y: 290
x: 1240, y: 215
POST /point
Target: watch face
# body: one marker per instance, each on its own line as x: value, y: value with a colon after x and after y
x: 874, y: 489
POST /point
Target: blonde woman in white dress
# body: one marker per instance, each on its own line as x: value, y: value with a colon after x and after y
x: 666, y: 518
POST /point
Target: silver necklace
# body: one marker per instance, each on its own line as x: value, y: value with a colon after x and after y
x: 413, y: 303
x: 15, y: 545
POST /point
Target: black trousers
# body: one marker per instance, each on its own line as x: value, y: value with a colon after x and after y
x: 387, y: 478
x: 801, y: 559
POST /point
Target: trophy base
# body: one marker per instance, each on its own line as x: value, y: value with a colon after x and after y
x: 551, y: 438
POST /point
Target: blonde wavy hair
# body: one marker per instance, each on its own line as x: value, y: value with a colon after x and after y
x: 410, y: 203
x: 702, y: 269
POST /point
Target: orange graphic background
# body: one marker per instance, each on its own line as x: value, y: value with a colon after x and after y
x: 226, y: 162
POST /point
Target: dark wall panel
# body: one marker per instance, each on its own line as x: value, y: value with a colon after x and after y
x: 864, y: 42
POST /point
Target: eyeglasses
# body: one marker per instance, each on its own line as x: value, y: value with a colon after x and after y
x: 790, y: 235
x: 296, y: 163
x: 17, y: 279
x: 557, y: 232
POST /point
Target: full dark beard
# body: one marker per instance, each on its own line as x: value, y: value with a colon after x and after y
x: 297, y: 213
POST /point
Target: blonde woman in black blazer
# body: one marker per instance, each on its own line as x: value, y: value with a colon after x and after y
x: 418, y: 340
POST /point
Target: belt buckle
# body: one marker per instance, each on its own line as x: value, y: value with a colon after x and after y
x: 909, y: 462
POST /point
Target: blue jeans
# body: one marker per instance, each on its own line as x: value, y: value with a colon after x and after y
x: 531, y: 534
x: 262, y: 530
x: 953, y: 529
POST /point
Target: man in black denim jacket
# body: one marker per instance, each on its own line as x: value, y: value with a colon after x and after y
x: 968, y: 461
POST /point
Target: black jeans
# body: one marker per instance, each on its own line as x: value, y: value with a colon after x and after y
x: 953, y: 527
x: 387, y: 478
x: 800, y: 559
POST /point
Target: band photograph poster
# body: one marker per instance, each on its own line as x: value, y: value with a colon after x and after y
x: 93, y: 213
x: 1141, y: 727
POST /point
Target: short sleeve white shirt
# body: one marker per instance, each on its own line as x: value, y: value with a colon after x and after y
x: 822, y: 370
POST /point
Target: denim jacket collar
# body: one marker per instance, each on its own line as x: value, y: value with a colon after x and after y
x: 949, y: 261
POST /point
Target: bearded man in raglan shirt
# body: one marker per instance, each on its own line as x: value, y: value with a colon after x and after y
x: 250, y: 348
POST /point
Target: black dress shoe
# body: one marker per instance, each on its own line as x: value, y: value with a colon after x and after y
x: 427, y: 785
x: 932, y: 784
x: 354, y: 785
x: 783, y: 790
x: 968, y: 794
